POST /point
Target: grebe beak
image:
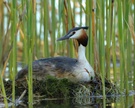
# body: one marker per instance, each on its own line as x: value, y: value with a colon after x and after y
x: 64, y: 37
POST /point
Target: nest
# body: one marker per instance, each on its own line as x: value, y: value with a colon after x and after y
x: 55, y: 89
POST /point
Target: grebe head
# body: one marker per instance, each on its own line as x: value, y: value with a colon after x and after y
x: 77, y: 33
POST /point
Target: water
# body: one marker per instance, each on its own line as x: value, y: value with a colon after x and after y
x: 113, y: 102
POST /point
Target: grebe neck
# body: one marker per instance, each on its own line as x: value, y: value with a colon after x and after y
x: 81, y: 53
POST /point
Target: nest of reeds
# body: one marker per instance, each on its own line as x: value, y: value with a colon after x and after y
x: 53, y: 88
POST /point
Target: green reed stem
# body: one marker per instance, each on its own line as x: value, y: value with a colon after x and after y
x: 127, y: 39
x: 14, y: 51
x: 134, y: 67
x: 114, y: 51
x: 101, y: 43
x: 80, y: 1
x: 3, y: 91
x: 73, y: 12
x: 121, y: 43
x: 108, y: 36
x: 53, y: 27
x: 129, y: 59
x: 30, y: 80
x: 1, y: 30
x: 70, y: 25
x: 23, y: 38
x: 89, y: 53
x: 104, y: 103
x: 46, y: 28
x: 30, y: 15
x: 2, y: 81
x: 134, y: 50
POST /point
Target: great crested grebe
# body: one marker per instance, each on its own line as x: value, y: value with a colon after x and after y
x: 76, y: 70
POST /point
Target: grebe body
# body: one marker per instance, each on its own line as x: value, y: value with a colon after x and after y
x: 76, y: 70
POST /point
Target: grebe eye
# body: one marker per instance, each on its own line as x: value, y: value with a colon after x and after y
x: 73, y: 33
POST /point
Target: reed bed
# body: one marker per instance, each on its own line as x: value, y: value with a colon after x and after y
x: 29, y: 30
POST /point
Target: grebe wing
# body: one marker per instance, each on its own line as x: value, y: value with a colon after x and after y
x: 49, y: 66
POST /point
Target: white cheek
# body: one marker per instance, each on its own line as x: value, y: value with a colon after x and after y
x: 76, y: 35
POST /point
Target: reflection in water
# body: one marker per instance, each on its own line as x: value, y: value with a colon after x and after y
x: 95, y: 102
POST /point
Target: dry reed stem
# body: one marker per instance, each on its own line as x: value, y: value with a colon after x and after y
x: 5, y: 64
x: 96, y: 54
x: 8, y: 8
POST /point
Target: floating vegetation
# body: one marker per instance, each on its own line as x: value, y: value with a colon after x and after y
x: 55, y: 89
